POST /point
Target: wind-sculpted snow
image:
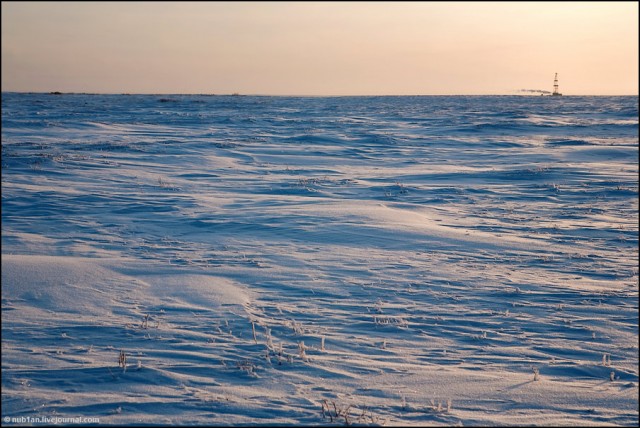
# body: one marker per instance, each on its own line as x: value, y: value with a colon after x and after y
x: 426, y: 260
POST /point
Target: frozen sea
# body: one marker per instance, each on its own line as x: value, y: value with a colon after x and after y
x: 398, y: 261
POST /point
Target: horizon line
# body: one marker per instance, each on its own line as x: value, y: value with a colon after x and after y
x: 304, y: 96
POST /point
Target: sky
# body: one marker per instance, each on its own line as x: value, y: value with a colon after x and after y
x: 320, y: 48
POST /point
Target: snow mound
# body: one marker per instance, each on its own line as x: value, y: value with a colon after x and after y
x: 60, y: 284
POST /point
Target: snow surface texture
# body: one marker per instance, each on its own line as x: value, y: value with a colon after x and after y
x: 275, y: 260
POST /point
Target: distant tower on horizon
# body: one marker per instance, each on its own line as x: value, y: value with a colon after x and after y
x: 555, y: 86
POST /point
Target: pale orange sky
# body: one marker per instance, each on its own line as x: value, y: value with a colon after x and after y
x: 320, y: 48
